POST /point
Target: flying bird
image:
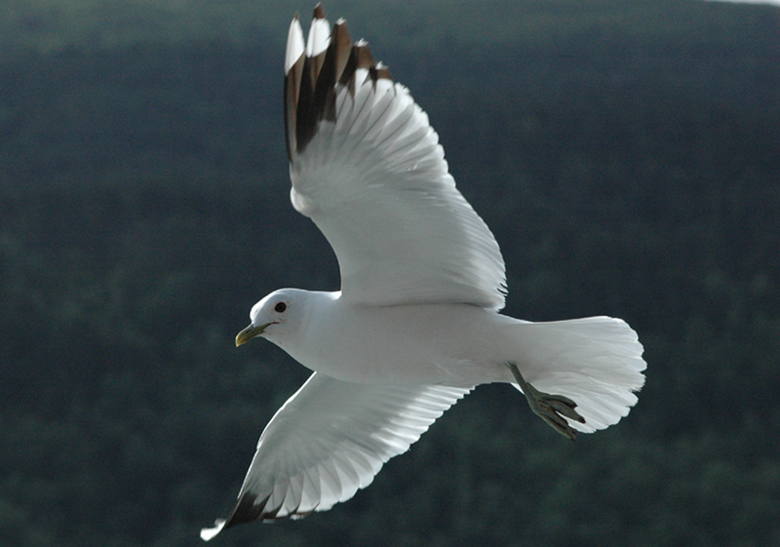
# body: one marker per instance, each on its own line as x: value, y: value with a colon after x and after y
x: 416, y: 324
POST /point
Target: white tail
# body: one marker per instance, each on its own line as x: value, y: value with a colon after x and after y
x: 595, y: 361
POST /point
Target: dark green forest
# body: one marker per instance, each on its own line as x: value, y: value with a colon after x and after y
x: 626, y: 153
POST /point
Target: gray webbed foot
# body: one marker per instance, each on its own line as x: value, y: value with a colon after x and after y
x: 550, y: 408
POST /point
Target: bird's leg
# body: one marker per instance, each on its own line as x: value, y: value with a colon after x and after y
x: 550, y: 408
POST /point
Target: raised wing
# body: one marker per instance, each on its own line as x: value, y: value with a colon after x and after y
x: 329, y: 440
x: 368, y: 169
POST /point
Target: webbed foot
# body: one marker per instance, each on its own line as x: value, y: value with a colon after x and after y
x: 550, y: 408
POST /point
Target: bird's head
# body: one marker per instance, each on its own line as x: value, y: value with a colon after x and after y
x: 275, y: 315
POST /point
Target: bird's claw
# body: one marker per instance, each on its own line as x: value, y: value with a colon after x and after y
x: 550, y: 408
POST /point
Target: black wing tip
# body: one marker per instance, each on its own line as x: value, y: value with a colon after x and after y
x: 310, y: 94
x: 249, y: 509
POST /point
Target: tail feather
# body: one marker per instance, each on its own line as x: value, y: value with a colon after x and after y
x: 595, y: 361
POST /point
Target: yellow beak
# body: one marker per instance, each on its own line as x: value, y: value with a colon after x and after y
x: 248, y: 333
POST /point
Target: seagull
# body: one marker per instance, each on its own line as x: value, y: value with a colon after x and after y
x: 416, y: 324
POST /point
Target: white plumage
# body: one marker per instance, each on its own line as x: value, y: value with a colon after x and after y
x: 337, y: 448
x: 415, y: 326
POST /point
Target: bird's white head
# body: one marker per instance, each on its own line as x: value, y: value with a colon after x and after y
x: 275, y: 315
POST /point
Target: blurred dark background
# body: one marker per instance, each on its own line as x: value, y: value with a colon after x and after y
x: 625, y: 153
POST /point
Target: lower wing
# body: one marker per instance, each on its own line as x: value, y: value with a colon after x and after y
x: 329, y: 440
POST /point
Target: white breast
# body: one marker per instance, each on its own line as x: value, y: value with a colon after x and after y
x: 452, y: 344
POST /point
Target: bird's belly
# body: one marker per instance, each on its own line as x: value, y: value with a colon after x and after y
x: 450, y: 345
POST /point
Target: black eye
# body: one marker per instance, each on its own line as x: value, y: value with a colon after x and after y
x: 280, y: 307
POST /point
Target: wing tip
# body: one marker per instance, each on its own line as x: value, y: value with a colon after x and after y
x: 248, y: 509
x: 319, y: 33
x: 207, y: 534
x: 296, y: 45
x: 313, y: 68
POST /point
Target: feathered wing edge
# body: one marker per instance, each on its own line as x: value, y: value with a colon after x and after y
x: 312, y: 68
x: 329, y: 440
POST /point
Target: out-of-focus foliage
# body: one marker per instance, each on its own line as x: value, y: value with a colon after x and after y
x: 624, y: 153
